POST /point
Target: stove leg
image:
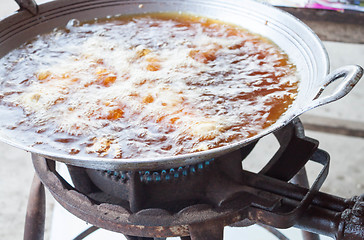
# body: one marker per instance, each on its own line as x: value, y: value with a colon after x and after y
x: 302, y: 180
x: 35, y: 218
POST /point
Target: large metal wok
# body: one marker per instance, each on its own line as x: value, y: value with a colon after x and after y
x: 290, y: 34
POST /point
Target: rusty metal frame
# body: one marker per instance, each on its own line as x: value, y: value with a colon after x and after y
x: 233, y: 197
x: 335, y: 217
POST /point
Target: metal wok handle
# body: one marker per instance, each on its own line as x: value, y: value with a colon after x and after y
x: 350, y: 76
x: 29, y: 5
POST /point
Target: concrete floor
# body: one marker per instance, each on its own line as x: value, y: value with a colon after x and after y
x: 346, y: 176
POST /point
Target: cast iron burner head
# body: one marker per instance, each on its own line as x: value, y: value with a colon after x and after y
x: 197, y: 201
x: 171, y: 189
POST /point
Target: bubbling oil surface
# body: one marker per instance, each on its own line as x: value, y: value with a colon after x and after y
x: 143, y: 86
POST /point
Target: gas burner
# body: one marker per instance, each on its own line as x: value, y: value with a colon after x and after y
x: 197, y: 201
x: 154, y: 176
x: 174, y: 173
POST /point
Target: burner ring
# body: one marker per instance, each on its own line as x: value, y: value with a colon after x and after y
x: 157, y: 176
x: 174, y: 173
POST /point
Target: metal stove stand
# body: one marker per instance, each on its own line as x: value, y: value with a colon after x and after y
x: 224, y: 195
